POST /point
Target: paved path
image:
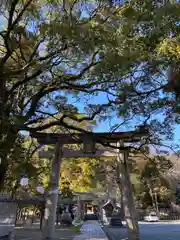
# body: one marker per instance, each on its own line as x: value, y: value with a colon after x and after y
x: 151, y: 231
x: 91, y: 230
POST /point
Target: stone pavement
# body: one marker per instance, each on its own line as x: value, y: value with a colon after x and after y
x: 91, y: 230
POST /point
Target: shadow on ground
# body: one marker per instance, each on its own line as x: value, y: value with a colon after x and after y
x: 62, y: 233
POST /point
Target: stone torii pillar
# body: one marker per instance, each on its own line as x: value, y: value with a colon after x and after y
x: 52, y: 198
x: 127, y: 194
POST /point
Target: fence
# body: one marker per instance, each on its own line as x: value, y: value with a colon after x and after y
x: 7, y: 218
x: 166, y: 214
x: 172, y: 216
x: 28, y: 209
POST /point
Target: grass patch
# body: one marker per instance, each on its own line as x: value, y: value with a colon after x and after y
x: 76, y: 229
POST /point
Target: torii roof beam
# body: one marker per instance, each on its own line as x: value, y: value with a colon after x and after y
x: 77, y: 138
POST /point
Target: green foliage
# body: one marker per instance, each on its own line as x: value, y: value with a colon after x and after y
x: 155, y: 167
x: 153, y: 185
x: 66, y: 192
x: 82, y: 174
x: 76, y: 229
x: 25, y: 161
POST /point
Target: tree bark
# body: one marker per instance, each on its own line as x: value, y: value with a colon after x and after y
x: 128, y: 200
x: 6, y: 147
x: 3, y: 135
x: 151, y: 194
x: 8, y: 132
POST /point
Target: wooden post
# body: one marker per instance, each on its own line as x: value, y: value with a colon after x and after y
x: 52, y: 199
x: 127, y: 195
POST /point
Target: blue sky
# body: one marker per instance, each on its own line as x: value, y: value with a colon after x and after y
x: 106, y: 125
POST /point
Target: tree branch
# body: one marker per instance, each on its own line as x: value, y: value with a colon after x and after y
x: 36, y: 48
x: 69, y: 116
x: 8, y: 52
x: 35, y: 100
x: 37, y: 73
x: 53, y: 87
x: 11, y: 13
x: 10, y: 28
x: 11, y: 25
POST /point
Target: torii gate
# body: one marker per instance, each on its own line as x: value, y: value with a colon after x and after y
x: 89, y: 140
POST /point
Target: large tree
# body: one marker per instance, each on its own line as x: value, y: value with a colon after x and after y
x: 53, y: 47
x: 46, y: 47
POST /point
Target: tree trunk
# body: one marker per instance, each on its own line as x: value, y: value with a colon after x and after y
x: 151, y: 194
x: 6, y: 147
x: 154, y: 198
x: 128, y: 200
x: 4, y: 129
x: 157, y: 206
